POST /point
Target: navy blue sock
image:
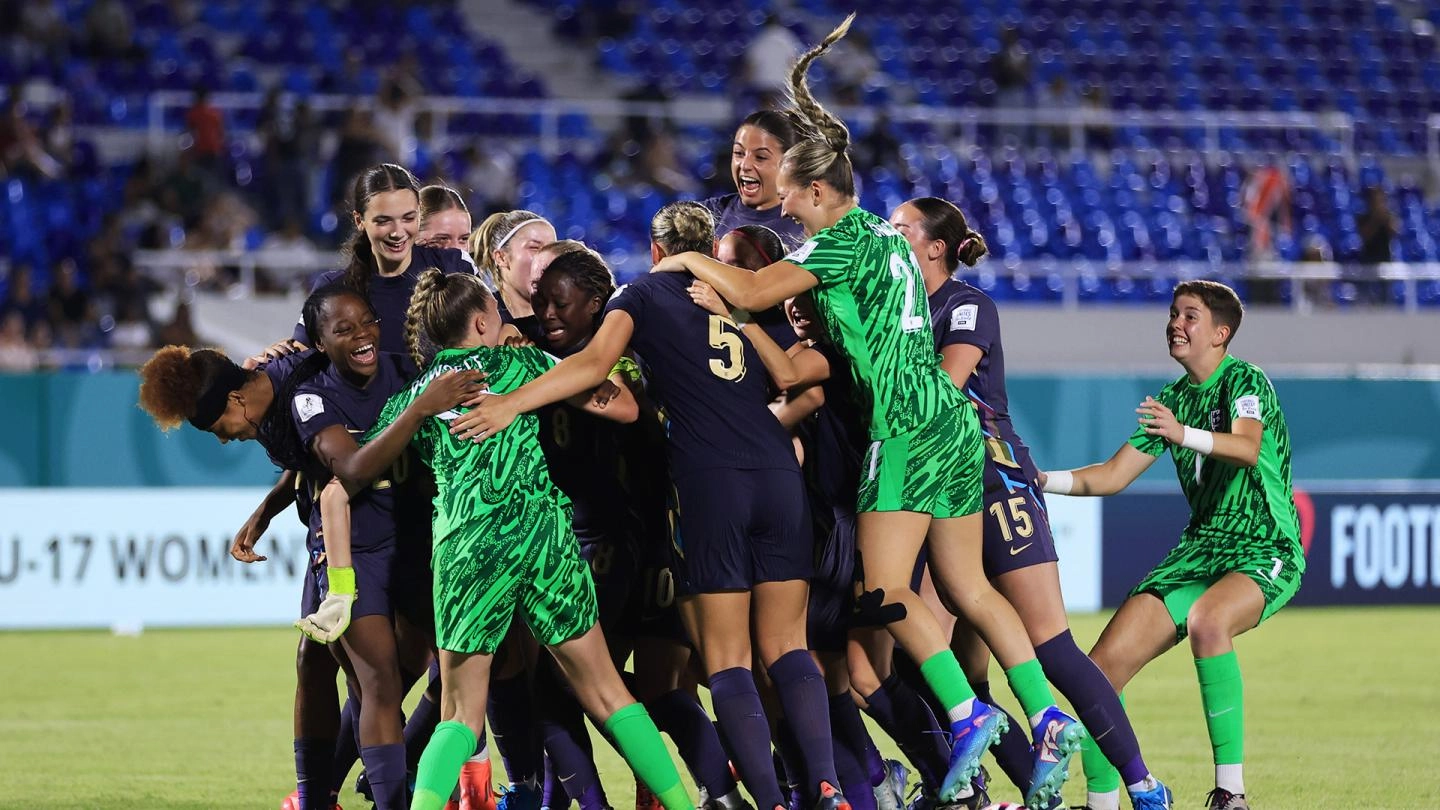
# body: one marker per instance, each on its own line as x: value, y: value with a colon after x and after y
x: 907, y: 718
x: 908, y: 669
x: 313, y: 758
x: 1013, y: 751
x: 419, y: 728
x: 1089, y: 691
x: 680, y: 715
x: 385, y: 770
x: 851, y: 741
x: 802, y: 693
x: 347, y: 744
x: 747, y: 732
x: 570, y: 756
x: 517, y: 736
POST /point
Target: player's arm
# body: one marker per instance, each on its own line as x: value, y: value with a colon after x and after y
x: 787, y: 370
x: 579, y: 373
x: 276, y: 500
x: 332, y: 618
x: 1240, y: 447
x: 795, y: 406
x: 363, y: 465
x: 612, y: 400
x: 764, y: 288
x: 959, y: 360
x: 1105, y: 478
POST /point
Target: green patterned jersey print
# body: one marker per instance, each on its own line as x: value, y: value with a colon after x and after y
x: 1252, y: 502
x: 481, y: 483
x: 872, y: 299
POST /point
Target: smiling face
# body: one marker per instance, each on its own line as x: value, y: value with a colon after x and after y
x: 446, y: 229
x: 516, y: 259
x: 1191, y: 331
x: 349, y: 334
x: 803, y: 317
x: 755, y: 166
x: 800, y: 203
x: 566, y: 314
x: 390, y: 220
x: 911, y: 225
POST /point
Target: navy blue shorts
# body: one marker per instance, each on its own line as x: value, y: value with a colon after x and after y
x: 734, y: 528
x: 832, y: 588
x: 652, y: 611
x: 1017, y: 527
x: 613, y: 566
x: 312, y: 591
x: 374, y: 581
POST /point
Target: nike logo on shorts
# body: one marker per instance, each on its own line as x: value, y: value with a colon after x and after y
x: 1017, y: 549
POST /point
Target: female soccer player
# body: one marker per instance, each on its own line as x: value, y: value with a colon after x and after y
x: 444, y: 219
x: 215, y: 395
x: 504, y: 247
x: 1019, y: 551
x: 1239, y: 559
x: 923, y: 472
x: 741, y: 534
x: 502, y: 544
x: 755, y: 155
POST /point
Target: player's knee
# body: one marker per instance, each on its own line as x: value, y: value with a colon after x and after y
x: 1208, y: 630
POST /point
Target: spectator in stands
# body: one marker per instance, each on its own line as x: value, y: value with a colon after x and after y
x: 854, y: 68
x: 1093, y: 99
x: 659, y: 165
x: 292, y: 148
x: 22, y: 299
x: 878, y: 146
x: 1377, y: 227
x: 179, y: 331
x: 185, y: 189
x: 490, y: 174
x: 110, y: 31
x: 290, y: 239
x: 1267, y: 203
x: 395, y: 118
x: 206, y: 126
x: 69, y: 305
x: 360, y: 146
x: 1010, y: 70
x: 1057, y: 94
x: 16, y: 354
x: 60, y: 134
x: 767, y: 64
x: 131, y: 328
x: 21, y: 152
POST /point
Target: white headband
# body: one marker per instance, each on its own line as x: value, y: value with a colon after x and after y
x: 516, y: 230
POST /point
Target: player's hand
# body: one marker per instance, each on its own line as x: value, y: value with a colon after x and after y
x: 706, y: 298
x: 448, y: 390
x: 488, y: 417
x: 1158, y: 420
x: 273, y: 352
x: 513, y: 338
x: 604, y: 393
x: 243, y: 547
x: 331, y: 619
x: 1041, y: 478
x: 670, y: 264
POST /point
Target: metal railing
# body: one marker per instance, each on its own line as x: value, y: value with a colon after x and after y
x: 719, y: 112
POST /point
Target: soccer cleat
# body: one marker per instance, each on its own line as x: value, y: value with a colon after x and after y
x: 831, y: 798
x: 476, y: 792
x: 970, y: 739
x: 1156, y: 798
x: 1222, y: 799
x: 524, y: 796
x: 1057, y: 738
x: 730, y: 801
x: 292, y: 802
x: 890, y: 793
x: 645, y: 799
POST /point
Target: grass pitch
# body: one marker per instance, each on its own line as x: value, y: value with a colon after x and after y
x: 1338, y: 708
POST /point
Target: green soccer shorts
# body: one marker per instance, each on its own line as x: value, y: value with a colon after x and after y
x: 937, y: 469
x: 1202, y: 558
x: 524, y: 558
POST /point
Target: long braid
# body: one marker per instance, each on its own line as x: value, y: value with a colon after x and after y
x: 431, y: 282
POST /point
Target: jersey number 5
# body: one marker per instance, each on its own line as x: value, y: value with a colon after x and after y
x: 732, y: 366
x: 909, y: 320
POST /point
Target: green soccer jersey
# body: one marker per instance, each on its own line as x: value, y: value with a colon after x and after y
x: 872, y: 298
x: 480, y: 483
x: 1250, y: 502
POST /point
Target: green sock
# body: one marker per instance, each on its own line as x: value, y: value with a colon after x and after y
x: 943, y: 673
x: 1027, y: 681
x: 1222, y: 693
x: 1100, y: 775
x: 449, y: 747
x: 639, y: 742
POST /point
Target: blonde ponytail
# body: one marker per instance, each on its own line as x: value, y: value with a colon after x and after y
x: 821, y: 152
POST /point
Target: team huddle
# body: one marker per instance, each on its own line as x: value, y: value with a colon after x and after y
x: 780, y: 466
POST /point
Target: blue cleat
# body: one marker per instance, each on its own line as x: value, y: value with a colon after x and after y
x: 523, y: 796
x: 1156, y: 798
x: 1057, y: 738
x: 890, y: 793
x: 969, y: 740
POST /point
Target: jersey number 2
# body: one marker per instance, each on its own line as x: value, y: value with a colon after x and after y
x: 909, y: 321
x: 732, y: 366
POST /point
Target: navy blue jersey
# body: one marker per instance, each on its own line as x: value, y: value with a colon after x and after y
x: 529, y: 325
x: 962, y: 314
x: 730, y: 214
x: 835, y: 439
x: 583, y: 453
x: 390, y: 295
x: 274, y: 434
x: 328, y: 399
x: 706, y: 378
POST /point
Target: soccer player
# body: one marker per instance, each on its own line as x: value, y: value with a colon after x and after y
x: 760, y: 142
x: 1239, y: 559
x: 504, y: 247
x: 741, y: 538
x: 922, y: 475
x: 1019, y: 551
x: 444, y: 219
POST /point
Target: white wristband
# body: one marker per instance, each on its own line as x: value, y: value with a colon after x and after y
x: 1059, y: 482
x: 1201, y: 441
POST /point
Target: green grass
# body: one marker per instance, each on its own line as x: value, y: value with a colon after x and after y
x: 1339, y: 704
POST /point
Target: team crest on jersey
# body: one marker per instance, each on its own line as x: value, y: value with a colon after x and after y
x: 800, y: 254
x: 308, y: 405
x: 963, y: 318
